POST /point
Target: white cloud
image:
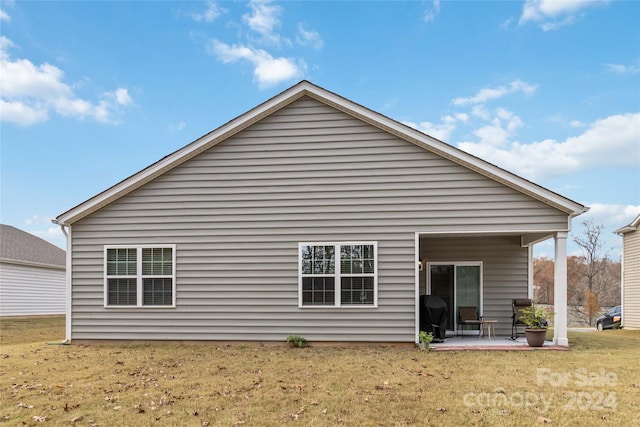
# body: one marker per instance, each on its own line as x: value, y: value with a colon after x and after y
x: 553, y: 14
x: 30, y: 92
x: 309, y: 37
x: 612, y: 141
x: 19, y: 113
x: 121, y: 96
x: 480, y: 111
x: 264, y: 19
x: 550, y: 26
x: 268, y: 70
x: 440, y: 131
x: 501, y: 128
x: 38, y: 220
x: 209, y: 14
x: 487, y: 94
x: 462, y: 117
x: 616, y: 215
x: 492, y: 136
x: 4, y: 16
x: 506, y: 23
x: 431, y: 14
x: 622, y: 69
x: 177, y: 127
x: 51, y: 233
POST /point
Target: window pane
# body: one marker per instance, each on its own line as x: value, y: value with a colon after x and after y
x: 318, y: 291
x: 307, y: 258
x: 121, y: 261
x: 369, y: 266
x: 357, y: 259
x: 157, y: 261
x: 468, y: 285
x: 318, y: 259
x: 121, y: 292
x: 157, y: 292
x: 356, y: 291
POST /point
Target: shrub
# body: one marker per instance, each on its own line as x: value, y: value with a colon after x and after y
x: 296, y: 341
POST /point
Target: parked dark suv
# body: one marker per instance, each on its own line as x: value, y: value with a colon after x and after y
x: 611, y: 319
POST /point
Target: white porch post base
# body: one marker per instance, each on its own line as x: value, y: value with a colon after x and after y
x: 560, y: 291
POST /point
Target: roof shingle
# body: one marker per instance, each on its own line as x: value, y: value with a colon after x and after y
x: 18, y: 245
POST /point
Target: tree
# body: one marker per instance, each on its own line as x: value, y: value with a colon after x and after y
x: 591, y: 305
x: 596, y: 261
x: 583, y: 303
x: 575, y: 285
x: 543, y: 280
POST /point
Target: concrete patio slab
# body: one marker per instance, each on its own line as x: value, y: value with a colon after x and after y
x: 498, y: 344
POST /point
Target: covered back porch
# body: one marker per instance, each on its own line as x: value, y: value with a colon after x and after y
x: 487, y: 270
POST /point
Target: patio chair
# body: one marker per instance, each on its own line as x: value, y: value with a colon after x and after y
x: 468, y: 316
x: 517, y: 305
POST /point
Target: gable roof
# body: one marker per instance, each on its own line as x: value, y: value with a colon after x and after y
x: 629, y: 228
x: 305, y: 88
x: 20, y: 247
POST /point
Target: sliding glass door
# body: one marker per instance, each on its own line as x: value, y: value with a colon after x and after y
x: 458, y: 284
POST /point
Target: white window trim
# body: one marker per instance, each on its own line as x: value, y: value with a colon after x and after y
x: 139, y: 276
x: 338, y: 275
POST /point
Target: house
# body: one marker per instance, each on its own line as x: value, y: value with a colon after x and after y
x: 309, y: 215
x: 630, y: 274
x: 32, y: 275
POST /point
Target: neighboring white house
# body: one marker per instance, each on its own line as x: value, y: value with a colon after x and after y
x: 631, y: 274
x: 32, y: 275
x: 311, y: 215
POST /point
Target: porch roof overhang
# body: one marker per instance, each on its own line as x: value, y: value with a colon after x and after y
x: 527, y: 238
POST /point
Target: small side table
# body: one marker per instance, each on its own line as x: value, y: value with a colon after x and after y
x: 491, y: 330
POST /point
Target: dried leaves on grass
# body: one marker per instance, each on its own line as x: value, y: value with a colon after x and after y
x: 206, y: 385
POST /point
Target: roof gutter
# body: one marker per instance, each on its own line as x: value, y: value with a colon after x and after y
x: 625, y: 230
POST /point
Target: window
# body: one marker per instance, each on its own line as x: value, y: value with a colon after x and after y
x: 351, y: 281
x: 140, y: 276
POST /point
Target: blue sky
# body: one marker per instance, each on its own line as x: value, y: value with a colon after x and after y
x: 92, y: 92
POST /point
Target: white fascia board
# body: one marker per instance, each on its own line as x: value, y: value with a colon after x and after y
x: 624, y: 230
x: 629, y: 228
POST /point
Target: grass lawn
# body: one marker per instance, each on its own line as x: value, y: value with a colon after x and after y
x: 596, y: 383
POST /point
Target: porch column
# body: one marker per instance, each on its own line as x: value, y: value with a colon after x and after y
x: 560, y: 290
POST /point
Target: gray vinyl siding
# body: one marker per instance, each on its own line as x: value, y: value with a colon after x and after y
x: 504, y: 270
x: 631, y: 280
x: 307, y: 173
x: 31, y: 291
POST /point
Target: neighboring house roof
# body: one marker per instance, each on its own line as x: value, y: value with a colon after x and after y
x: 629, y: 228
x: 305, y: 88
x: 20, y: 247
